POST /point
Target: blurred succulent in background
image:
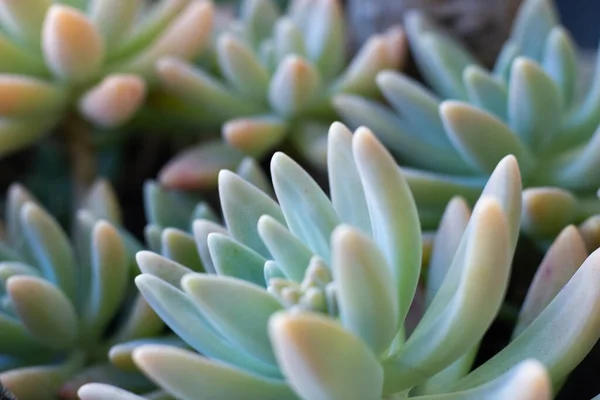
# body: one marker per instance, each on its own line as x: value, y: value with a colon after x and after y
x: 63, y: 303
x: 337, y: 310
x: 275, y: 77
x: 79, y: 65
x: 483, y: 25
x: 527, y: 106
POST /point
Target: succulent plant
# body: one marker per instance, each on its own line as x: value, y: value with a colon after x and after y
x: 274, y: 80
x: 171, y: 213
x: 93, y: 59
x: 315, y: 298
x: 65, y: 303
x: 454, y: 135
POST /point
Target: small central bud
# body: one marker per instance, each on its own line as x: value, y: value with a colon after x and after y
x: 315, y: 293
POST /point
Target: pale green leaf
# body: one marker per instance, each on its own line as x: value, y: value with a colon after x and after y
x: 189, y: 376
x: 321, y: 360
x: 308, y: 211
x: 366, y: 295
x: 394, y: 218
x: 225, y: 302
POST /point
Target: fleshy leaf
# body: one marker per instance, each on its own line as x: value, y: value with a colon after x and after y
x: 231, y: 258
x: 324, y: 36
x: 181, y: 314
x: 121, y: 355
x: 50, y: 248
x: 393, y: 213
x: 527, y: 380
x: 45, y: 311
x: 113, y: 18
x: 259, y: 16
x: 307, y: 209
x: 321, y: 360
x: 397, y: 134
x: 504, y: 184
x: 242, y: 69
x: 198, y: 167
x: 202, y: 90
x: 184, y: 38
x: 250, y: 170
x: 156, y: 265
x: 243, y: 204
x: 532, y: 25
x: 255, y: 135
x: 114, y: 100
x: 565, y: 256
x: 374, y: 56
x: 219, y: 300
x: 416, y: 105
x: 366, y: 294
x: 25, y: 96
x: 185, y: 375
x: 486, y: 91
x: 286, y: 249
x: 546, y: 210
x: 72, y: 46
x: 288, y: 39
x: 180, y: 247
x: 466, y: 302
x: 202, y: 229
x: 38, y: 381
x: 347, y: 194
x: 480, y: 137
x: 102, y: 202
x: 446, y: 243
x: 560, y: 337
x: 294, y: 85
x: 108, y: 280
x: 24, y: 19
x: 167, y: 208
x: 102, y: 391
x: 560, y: 62
x: 534, y: 104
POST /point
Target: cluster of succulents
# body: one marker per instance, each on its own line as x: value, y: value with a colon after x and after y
x: 91, y: 58
x: 529, y: 105
x: 382, y: 288
x: 273, y: 82
x: 338, y: 309
x: 65, y: 303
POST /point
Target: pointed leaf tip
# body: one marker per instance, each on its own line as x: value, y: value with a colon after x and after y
x: 72, y: 46
x: 293, y: 86
x: 46, y: 312
x: 393, y: 213
x: 114, y: 100
x: 481, y: 138
x: 321, y: 360
x: 367, y: 296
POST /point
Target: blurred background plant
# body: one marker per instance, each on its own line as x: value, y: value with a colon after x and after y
x: 532, y: 104
x: 272, y: 85
x: 83, y: 70
x: 66, y: 302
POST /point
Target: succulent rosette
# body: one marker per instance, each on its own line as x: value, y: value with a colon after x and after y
x: 317, y: 297
x: 272, y: 85
x: 93, y: 59
x: 66, y: 302
x: 451, y: 135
